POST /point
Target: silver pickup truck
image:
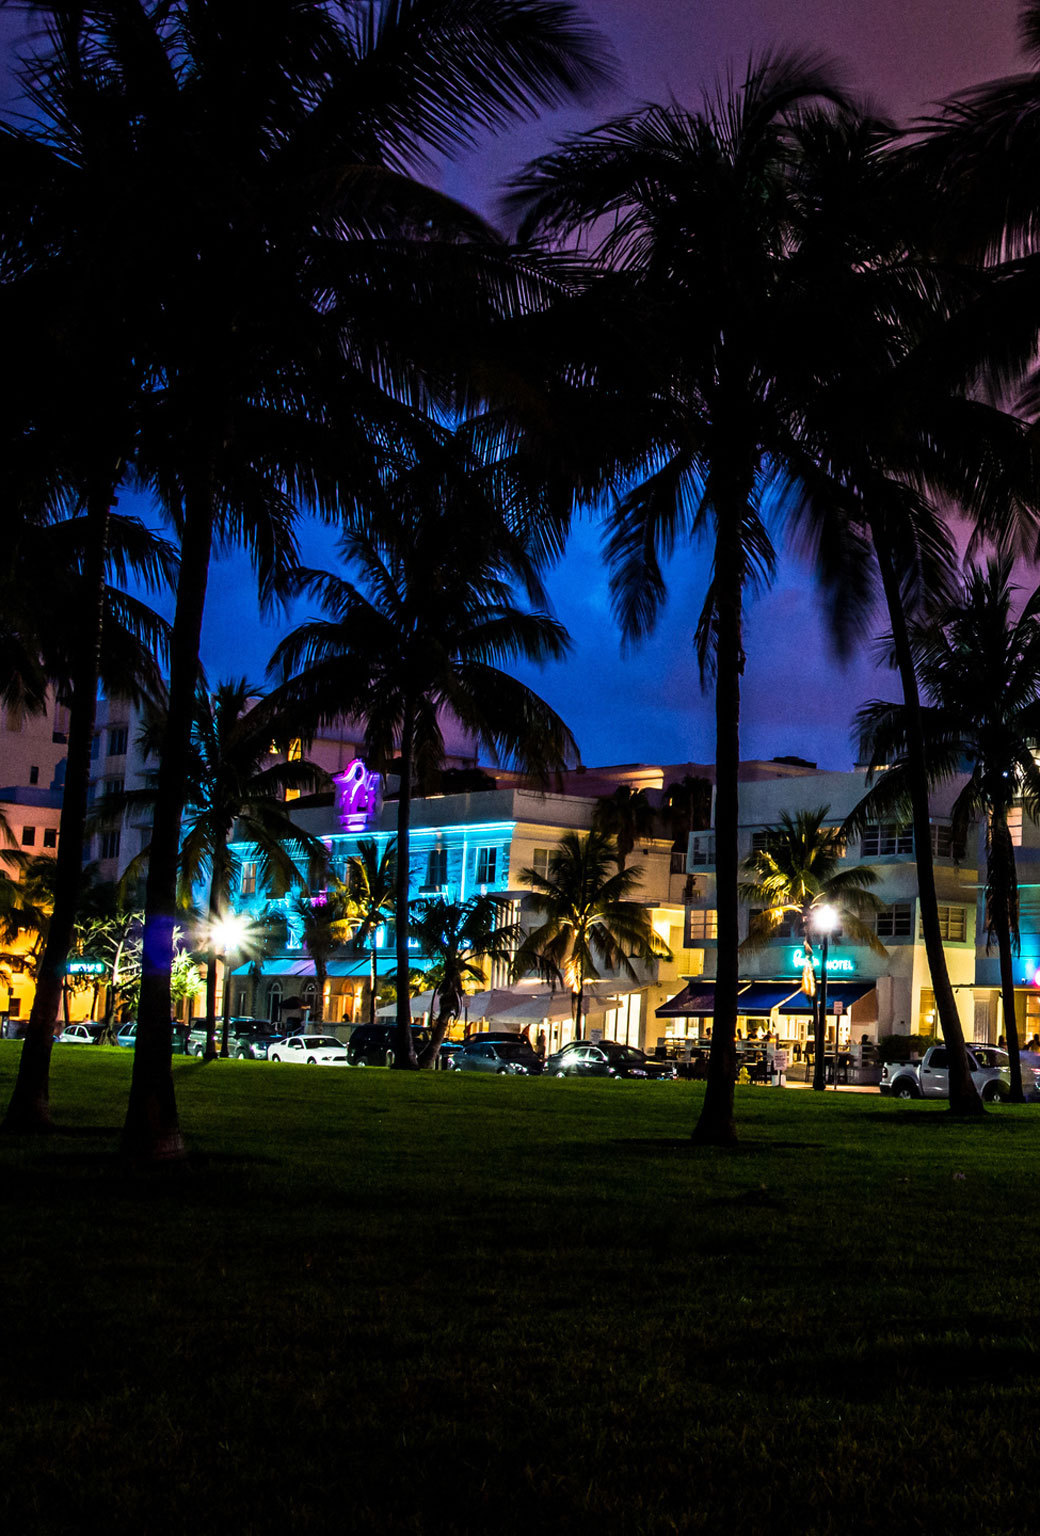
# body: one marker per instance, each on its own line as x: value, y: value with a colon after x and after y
x: 930, y: 1077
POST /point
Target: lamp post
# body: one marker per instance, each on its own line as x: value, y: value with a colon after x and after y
x: 824, y: 920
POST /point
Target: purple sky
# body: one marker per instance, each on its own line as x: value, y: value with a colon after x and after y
x: 904, y: 54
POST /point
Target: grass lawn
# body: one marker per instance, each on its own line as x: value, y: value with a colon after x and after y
x: 388, y: 1303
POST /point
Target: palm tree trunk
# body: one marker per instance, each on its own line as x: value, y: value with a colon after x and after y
x: 429, y: 1056
x: 716, y: 1126
x: 210, y: 1053
x: 321, y: 976
x: 374, y: 981
x: 404, y: 1053
x: 151, y: 1130
x: 964, y: 1096
x: 1002, y: 890
x: 29, y: 1108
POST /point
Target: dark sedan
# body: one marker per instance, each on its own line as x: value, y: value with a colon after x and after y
x: 508, y: 1058
x: 606, y: 1058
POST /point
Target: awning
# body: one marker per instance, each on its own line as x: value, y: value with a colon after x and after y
x: 844, y: 992
x: 759, y: 998
x: 696, y: 1000
x: 420, y: 1005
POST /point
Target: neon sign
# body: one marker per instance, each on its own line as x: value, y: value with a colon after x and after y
x: 359, y: 796
x: 837, y: 965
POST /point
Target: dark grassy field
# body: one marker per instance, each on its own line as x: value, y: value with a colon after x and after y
x: 388, y: 1303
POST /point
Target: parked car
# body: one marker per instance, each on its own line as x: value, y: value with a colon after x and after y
x: 372, y: 1045
x: 448, y: 1058
x: 127, y: 1036
x: 512, y: 1057
x: 606, y: 1058
x: 80, y: 1034
x: 247, y: 1038
x: 930, y: 1077
x: 314, y: 1050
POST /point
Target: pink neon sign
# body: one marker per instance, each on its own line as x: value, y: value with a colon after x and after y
x: 359, y: 796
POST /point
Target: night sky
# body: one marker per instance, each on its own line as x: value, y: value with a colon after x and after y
x: 903, y: 54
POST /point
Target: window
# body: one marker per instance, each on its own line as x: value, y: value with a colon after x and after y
x: 1014, y: 821
x: 895, y: 922
x: 487, y: 864
x: 34, y: 774
x: 249, y: 879
x: 540, y: 862
x: 677, y: 862
x: 118, y: 739
x: 943, y: 844
x: 953, y: 924
x: 14, y: 1007
x: 702, y: 848
x: 436, y: 868
x: 886, y: 838
x: 113, y: 786
x: 28, y: 837
x: 50, y: 837
x: 109, y: 845
x: 701, y: 923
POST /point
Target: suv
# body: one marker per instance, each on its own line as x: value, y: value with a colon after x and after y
x: 248, y: 1039
x: 372, y: 1045
x: 930, y: 1078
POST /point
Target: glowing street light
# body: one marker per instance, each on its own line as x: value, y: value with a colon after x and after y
x: 227, y: 934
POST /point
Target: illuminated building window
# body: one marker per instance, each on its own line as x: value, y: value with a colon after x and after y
x: 927, y: 1019
x: 249, y: 879
x: 701, y: 923
x: 487, y: 865
x: 1014, y: 821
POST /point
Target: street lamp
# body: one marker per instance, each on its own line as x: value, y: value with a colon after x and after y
x: 825, y: 920
x: 228, y: 934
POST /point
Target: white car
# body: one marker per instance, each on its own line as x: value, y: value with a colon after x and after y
x: 79, y: 1034
x: 315, y: 1050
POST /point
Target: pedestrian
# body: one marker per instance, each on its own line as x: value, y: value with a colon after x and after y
x: 540, y: 1044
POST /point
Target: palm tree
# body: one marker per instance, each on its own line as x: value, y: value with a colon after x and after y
x: 462, y: 938
x: 281, y: 286
x: 372, y: 881
x: 590, y: 921
x: 426, y: 630
x: 43, y: 632
x: 325, y: 922
x: 626, y: 816
x: 696, y: 222
x: 235, y: 783
x: 980, y: 673
x: 762, y: 335
x: 801, y: 869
